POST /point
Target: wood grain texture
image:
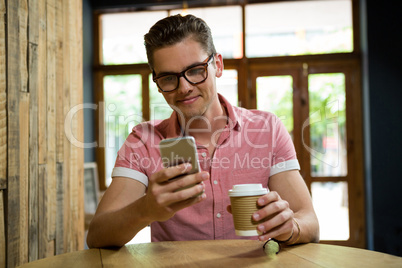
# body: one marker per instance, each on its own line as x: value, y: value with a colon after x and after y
x: 59, y: 129
x: 59, y: 210
x: 2, y: 232
x: 340, y: 256
x: 24, y: 171
x: 66, y: 144
x: 42, y: 212
x: 59, y: 81
x: 23, y: 43
x: 241, y: 253
x: 13, y: 151
x: 51, y: 120
x: 33, y: 153
x: 80, y: 224
x: 82, y: 258
x: 33, y: 73
x: 3, y: 99
x: 76, y: 157
x: 220, y: 253
x: 40, y: 169
x: 42, y: 106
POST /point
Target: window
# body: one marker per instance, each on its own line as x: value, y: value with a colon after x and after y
x: 227, y: 32
x: 296, y: 59
x: 227, y: 86
x: 299, y: 28
x: 311, y: 100
x: 123, y: 36
x: 275, y: 95
x: 327, y: 125
x: 158, y: 107
x: 121, y: 115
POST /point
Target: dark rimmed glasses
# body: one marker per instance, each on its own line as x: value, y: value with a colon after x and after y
x: 195, y: 74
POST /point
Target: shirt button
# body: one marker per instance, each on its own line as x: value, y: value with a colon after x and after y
x: 204, y: 154
x: 218, y: 215
x: 215, y: 182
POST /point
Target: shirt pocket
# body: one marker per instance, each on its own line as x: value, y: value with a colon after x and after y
x: 245, y: 176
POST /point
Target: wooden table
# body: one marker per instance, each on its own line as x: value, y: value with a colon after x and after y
x: 220, y: 253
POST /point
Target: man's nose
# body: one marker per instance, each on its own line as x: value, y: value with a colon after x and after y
x: 184, y: 86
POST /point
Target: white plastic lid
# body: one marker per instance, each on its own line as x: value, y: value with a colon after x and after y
x: 247, y: 190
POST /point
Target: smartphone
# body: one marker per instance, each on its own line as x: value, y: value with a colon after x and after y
x: 180, y: 150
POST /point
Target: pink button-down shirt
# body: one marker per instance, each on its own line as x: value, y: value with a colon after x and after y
x: 253, y: 146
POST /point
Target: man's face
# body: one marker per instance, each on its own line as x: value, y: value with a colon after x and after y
x: 191, y: 100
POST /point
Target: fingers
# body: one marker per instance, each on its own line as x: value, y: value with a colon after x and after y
x: 280, y: 227
x: 268, y: 198
x: 171, y: 172
x: 186, y: 193
x: 186, y: 181
x: 272, y: 208
x: 175, y: 178
x: 171, y: 202
x: 275, y: 217
x: 172, y: 185
x: 172, y: 189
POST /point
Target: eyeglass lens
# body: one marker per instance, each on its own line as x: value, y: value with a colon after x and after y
x: 193, y: 75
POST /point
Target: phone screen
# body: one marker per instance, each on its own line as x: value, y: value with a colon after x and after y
x: 177, y: 151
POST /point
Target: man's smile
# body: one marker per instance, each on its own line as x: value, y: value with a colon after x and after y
x: 188, y: 100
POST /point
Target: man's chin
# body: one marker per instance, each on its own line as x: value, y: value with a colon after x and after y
x: 191, y: 114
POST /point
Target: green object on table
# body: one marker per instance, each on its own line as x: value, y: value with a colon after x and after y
x: 271, y: 248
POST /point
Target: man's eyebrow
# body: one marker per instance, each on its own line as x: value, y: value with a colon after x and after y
x: 163, y: 74
x: 188, y: 67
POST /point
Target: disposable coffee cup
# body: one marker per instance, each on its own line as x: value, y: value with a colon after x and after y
x: 243, y: 198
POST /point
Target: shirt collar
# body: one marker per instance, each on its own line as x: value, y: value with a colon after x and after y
x: 233, y: 121
x: 173, y: 128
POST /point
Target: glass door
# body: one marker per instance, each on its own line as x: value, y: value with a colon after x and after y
x: 328, y: 153
x: 318, y: 107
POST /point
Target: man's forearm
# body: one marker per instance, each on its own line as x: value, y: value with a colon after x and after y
x: 118, y: 227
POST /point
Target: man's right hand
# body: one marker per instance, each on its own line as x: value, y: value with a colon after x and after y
x: 128, y: 206
x: 171, y: 190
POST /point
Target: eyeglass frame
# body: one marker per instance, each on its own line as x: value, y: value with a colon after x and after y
x: 182, y: 74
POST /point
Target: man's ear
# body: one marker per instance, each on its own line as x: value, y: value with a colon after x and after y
x: 219, y: 65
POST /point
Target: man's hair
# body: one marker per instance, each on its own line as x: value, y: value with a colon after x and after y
x: 174, y: 29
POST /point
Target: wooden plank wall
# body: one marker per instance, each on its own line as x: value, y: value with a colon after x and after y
x: 41, y: 168
x: 3, y: 132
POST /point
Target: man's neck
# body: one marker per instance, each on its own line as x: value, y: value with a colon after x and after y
x: 206, y: 129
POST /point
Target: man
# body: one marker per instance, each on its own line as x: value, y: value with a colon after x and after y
x: 235, y: 146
